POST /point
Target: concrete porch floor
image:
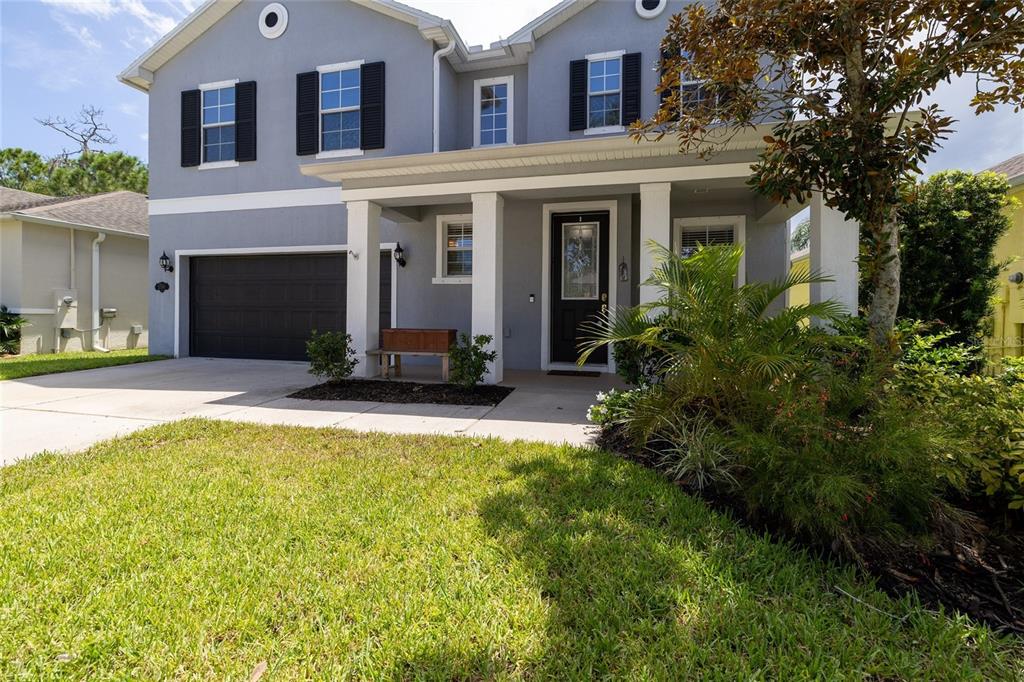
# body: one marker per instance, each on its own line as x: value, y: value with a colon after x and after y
x: 72, y: 411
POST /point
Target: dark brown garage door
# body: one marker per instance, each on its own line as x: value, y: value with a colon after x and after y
x: 265, y: 306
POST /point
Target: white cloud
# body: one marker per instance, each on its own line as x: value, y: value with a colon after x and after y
x: 159, y: 24
x: 100, y: 9
x: 80, y: 33
x: 128, y: 108
x: 144, y: 137
x: 56, y: 69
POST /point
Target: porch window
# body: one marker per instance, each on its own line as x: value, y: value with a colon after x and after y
x: 493, y: 111
x: 339, y: 108
x: 218, y: 123
x: 604, y: 93
x: 710, y: 231
x: 454, y: 249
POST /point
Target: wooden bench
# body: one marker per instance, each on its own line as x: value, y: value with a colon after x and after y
x: 386, y: 356
x: 431, y: 343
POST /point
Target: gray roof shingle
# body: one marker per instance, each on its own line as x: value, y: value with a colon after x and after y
x: 121, y: 211
x: 1013, y: 167
x: 17, y: 199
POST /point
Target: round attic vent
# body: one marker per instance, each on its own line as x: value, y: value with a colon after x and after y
x: 273, y: 20
x: 648, y: 9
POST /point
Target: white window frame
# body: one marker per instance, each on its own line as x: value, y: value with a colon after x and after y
x: 478, y: 85
x: 442, y: 248
x: 599, y: 57
x: 203, y: 88
x: 739, y: 232
x: 331, y: 68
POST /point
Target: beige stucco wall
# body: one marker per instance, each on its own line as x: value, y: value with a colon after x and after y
x: 35, y: 264
x: 1008, y: 308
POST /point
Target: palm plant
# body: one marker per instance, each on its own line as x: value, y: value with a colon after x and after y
x: 10, y: 330
x: 716, y: 342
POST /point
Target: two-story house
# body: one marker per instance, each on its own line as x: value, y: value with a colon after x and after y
x: 352, y: 164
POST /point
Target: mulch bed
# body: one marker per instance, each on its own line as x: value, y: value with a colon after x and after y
x: 981, y: 576
x: 404, y: 392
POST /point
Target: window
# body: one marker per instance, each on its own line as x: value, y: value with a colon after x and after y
x: 580, y: 261
x: 691, y: 90
x: 218, y: 124
x: 454, y: 249
x: 493, y: 111
x: 712, y: 231
x: 604, y: 92
x: 340, y: 97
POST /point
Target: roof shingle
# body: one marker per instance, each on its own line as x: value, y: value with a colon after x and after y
x: 120, y: 211
x: 1013, y: 167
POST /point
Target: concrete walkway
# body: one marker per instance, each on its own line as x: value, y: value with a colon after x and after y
x: 74, y: 410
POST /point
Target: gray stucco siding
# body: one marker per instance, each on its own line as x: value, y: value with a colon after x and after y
x: 318, y: 33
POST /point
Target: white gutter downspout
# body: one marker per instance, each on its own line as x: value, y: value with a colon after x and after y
x: 443, y: 52
x: 96, y: 292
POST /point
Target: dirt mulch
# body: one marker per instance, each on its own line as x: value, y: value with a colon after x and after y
x: 404, y: 392
x: 981, y: 576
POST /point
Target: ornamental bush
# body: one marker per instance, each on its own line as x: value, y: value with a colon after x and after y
x: 10, y: 330
x: 331, y: 355
x: 468, y: 360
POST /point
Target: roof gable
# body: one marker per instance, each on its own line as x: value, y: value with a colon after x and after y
x: 125, y: 212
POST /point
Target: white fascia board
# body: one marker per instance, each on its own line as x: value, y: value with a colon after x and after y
x: 52, y: 222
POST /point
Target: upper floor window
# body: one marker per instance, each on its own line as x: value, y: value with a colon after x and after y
x: 604, y: 92
x: 493, y: 111
x: 218, y: 122
x: 340, y: 98
x: 691, y: 90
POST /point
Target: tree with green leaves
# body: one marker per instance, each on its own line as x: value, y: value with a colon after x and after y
x: 950, y: 227
x: 842, y: 84
x: 23, y: 169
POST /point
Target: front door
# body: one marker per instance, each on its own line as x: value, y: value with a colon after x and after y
x: 579, y: 281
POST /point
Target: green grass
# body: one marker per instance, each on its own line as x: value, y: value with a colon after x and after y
x: 21, y: 366
x: 201, y: 549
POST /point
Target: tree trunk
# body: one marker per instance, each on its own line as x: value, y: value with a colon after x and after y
x: 885, y: 283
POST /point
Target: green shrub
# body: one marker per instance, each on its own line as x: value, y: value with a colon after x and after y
x: 468, y: 359
x: 612, y: 407
x: 640, y: 364
x: 331, y: 355
x: 772, y: 409
x: 1011, y: 371
x: 983, y: 420
x: 10, y: 330
x: 937, y: 351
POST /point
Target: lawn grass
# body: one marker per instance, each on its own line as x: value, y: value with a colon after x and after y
x: 21, y: 366
x: 202, y: 549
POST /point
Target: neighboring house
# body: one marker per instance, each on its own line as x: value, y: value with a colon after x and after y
x: 1008, y: 329
x: 290, y: 143
x: 800, y: 263
x: 75, y: 268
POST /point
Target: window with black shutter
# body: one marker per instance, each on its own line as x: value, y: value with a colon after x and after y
x: 578, y: 94
x: 307, y: 112
x: 630, y: 88
x: 371, y: 111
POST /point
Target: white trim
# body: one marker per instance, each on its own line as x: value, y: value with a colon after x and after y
x: 218, y: 85
x: 440, y: 249
x: 339, y: 153
x: 343, y: 66
x: 214, y: 165
x: 268, y: 250
x: 509, y: 128
x: 244, y: 201
x: 282, y: 21
x: 610, y: 205
x: 534, y: 182
x: 645, y: 13
x: 604, y: 130
x: 598, y: 56
x: 33, y: 311
x: 739, y: 232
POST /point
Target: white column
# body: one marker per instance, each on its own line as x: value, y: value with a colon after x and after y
x: 655, y: 225
x: 488, y: 213
x: 834, y: 249
x: 362, y: 311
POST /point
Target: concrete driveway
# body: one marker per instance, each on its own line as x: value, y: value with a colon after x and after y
x: 74, y: 410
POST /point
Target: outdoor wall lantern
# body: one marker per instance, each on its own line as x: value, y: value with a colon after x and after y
x: 623, y: 271
x: 165, y: 263
x: 399, y: 254
x: 1017, y: 277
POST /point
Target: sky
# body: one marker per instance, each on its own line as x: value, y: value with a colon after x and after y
x: 58, y: 55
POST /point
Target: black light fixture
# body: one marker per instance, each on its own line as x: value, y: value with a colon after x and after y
x: 165, y: 263
x: 399, y: 254
x: 1017, y: 278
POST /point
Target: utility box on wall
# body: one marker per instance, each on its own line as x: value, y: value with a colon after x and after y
x: 66, y: 308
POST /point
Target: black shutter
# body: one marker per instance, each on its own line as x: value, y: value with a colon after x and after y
x: 371, y: 106
x: 245, y: 121
x: 307, y: 111
x: 630, y: 88
x: 191, y: 128
x: 578, y: 94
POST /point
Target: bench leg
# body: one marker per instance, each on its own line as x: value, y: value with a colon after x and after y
x: 398, y: 365
x: 444, y: 368
x: 384, y: 362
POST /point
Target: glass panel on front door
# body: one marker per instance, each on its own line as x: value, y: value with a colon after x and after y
x: 580, y: 260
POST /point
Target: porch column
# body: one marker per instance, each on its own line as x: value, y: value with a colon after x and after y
x: 833, y: 250
x: 656, y: 225
x: 362, y: 317
x: 488, y: 214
